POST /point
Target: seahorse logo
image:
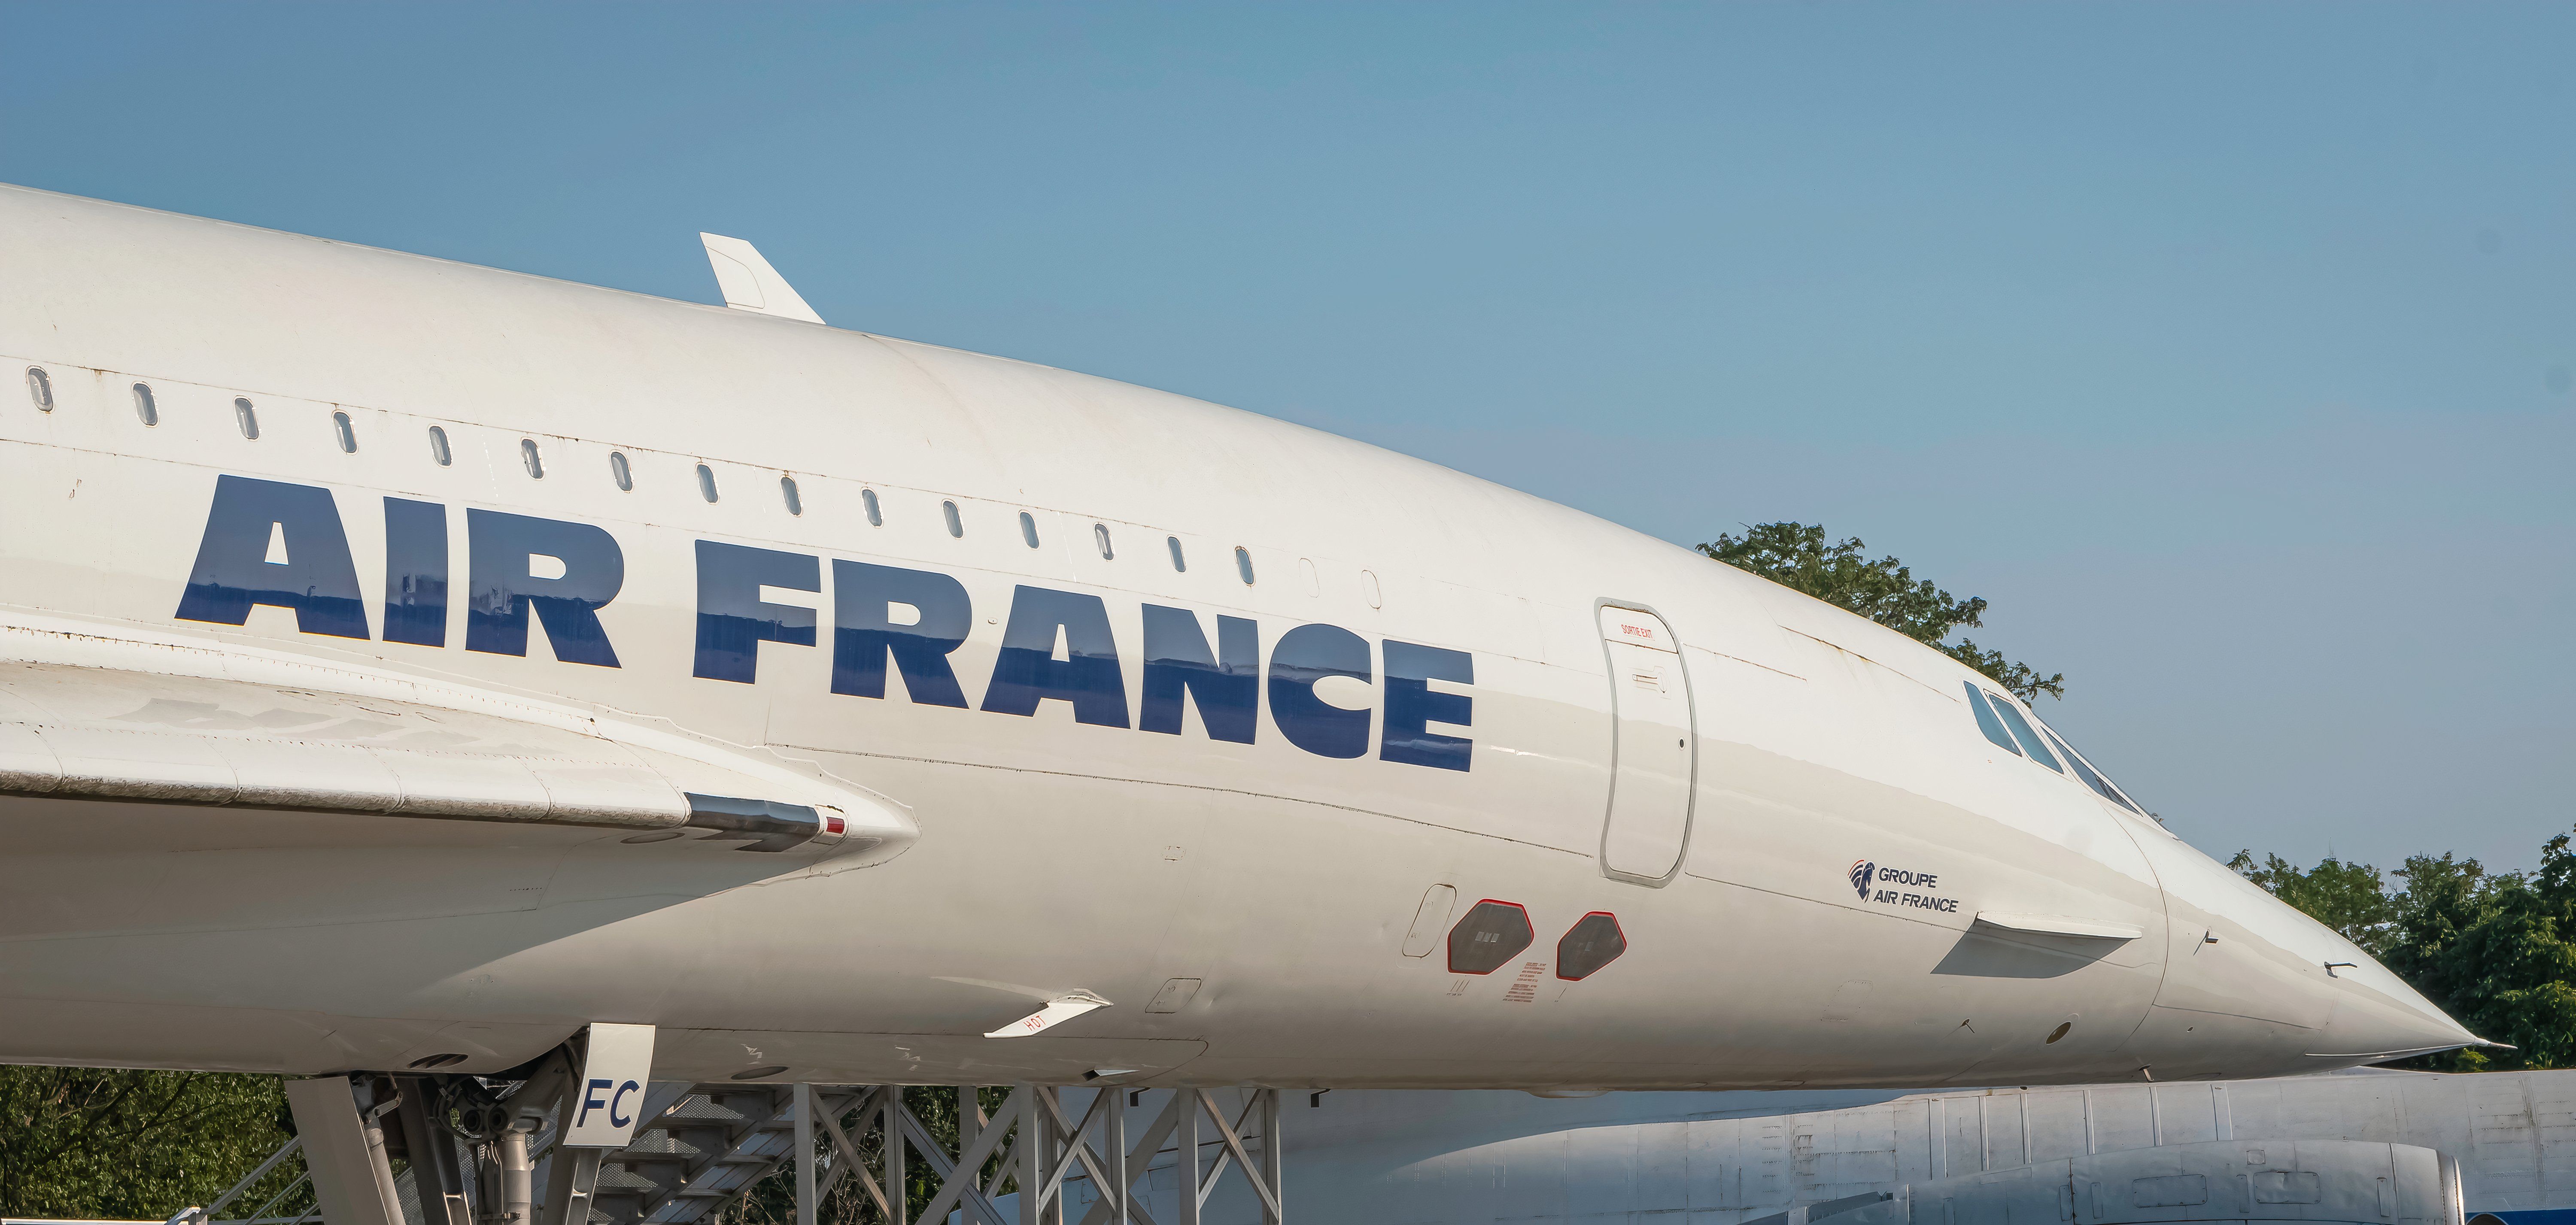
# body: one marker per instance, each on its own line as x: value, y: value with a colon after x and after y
x: 1861, y: 871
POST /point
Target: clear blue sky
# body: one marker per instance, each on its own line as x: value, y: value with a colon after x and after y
x: 2227, y: 349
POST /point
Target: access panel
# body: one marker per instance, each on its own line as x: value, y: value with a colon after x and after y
x: 1650, y: 776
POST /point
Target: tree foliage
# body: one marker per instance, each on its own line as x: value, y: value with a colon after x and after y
x: 2351, y: 898
x: 95, y: 1143
x: 1799, y: 557
x: 2496, y: 950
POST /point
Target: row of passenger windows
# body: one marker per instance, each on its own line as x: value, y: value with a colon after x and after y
x: 40, y: 388
x: 2003, y: 723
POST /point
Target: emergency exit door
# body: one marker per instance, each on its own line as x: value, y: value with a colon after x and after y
x: 1651, y: 751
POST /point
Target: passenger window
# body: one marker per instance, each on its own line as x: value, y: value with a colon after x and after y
x: 438, y: 447
x: 956, y: 526
x: 1988, y: 723
x: 347, y: 432
x: 536, y: 464
x: 144, y: 409
x: 1100, y: 535
x: 1178, y: 566
x: 1028, y: 529
x: 868, y: 502
x: 2022, y: 729
x: 706, y: 482
x: 787, y: 490
x: 1243, y: 565
x: 40, y: 389
x: 246, y: 417
x: 620, y: 471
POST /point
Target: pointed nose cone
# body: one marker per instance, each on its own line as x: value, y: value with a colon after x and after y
x: 2378, y: 1016
x: 2256, y: 988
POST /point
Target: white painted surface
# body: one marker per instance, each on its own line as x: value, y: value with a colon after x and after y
x: 1051, y: 854
x: 1367, y: 1157
x: 1651, y: 758
x: 748, y: 283
x: 1056, y: 1012
x: 608, y: 1101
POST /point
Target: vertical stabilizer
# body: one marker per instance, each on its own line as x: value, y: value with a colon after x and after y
x: 750, y: 284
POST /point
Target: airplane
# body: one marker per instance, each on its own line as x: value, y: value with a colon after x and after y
x: 410, y: 665
x: 2466, y: 1146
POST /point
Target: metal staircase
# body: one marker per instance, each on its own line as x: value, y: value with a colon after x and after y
x: 700, y: 1147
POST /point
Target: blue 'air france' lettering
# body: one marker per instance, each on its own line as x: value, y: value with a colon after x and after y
x: 270, y: 542
x: 1304, y: 656
x: 498, y: 548
x: 415, y: 572
x: 234, y: 570
x: 732, y: 618
x: 1411, y: 703
x: 1028, y: 672
x: 1225, y: 683
x: 864, y: 633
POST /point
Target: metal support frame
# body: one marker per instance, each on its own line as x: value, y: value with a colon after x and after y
x: 344, y: 1150
x: 437, y: 1173
x: 571, y: 1183
x: 702, y: 1147
x: 1199, y: 1111
x: 1034, y: 1146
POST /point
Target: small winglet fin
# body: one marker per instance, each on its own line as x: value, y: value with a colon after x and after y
x: 2061, y: 925
x: 750, y: 284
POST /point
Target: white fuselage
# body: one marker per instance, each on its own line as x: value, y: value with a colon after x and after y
x: 1238, y: 857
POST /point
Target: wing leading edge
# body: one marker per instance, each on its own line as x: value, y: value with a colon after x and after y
x: 137, y: 721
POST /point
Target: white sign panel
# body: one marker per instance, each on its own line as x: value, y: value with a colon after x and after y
x: 605, y: 1102
x: 1062, y: 1008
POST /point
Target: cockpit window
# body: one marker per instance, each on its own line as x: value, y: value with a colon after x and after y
x: 1988, y: 723
x: 1996, y: 714
x: 2021, y: 728
x: 2092, y: 777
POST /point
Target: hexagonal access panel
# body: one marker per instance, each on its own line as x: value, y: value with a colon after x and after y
x: 1489, y: 937
x: 1593, y: 942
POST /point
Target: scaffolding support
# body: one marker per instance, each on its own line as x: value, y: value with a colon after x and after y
x: 1034, y: 1147
x: 700, y: 1148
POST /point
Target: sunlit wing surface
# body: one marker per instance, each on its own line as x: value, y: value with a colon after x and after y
x: 119, y: 720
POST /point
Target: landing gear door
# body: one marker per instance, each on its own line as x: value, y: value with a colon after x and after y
x: 1652, y: 753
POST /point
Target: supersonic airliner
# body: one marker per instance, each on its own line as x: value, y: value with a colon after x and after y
x: 405, y: 664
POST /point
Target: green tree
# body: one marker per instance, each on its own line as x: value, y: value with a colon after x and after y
x: 1799, y: 557
x: 2444, y: 897
x: 117, y: 1144
x: 2351, y: 898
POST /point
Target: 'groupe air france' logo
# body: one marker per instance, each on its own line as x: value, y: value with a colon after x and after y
x: 1898, y: 886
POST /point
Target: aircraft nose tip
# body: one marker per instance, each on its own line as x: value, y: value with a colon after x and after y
x: 2377, y: 1013
x: 2255, y: 987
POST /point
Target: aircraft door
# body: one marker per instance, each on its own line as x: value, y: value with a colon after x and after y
x: 1651, y: 747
